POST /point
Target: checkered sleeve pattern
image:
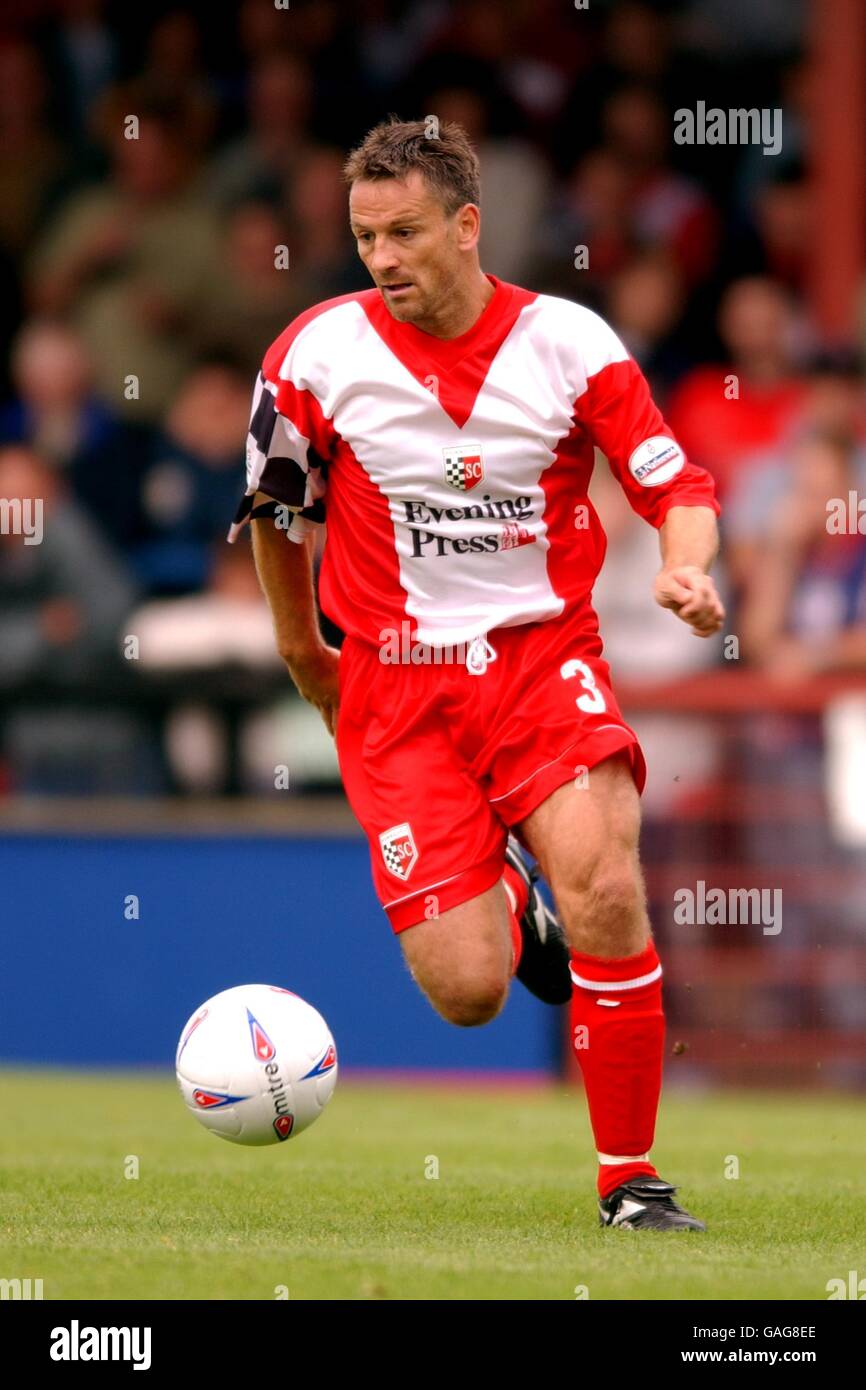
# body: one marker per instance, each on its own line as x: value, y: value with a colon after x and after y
x: 282, y: 464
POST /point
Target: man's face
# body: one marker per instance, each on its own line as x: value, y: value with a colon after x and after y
x: 413, y: 250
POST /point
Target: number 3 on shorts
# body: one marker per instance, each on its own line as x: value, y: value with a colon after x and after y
x: 593, y: 701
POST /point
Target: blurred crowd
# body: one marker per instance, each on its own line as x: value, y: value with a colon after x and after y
x: 140, y: 290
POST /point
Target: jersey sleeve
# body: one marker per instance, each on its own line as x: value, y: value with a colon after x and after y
x: 282, y: 460
x: 621, y: 418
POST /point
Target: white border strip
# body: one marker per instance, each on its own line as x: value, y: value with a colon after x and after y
x: 557, y: 759
x: 607, y: 986
x: 428, y: 888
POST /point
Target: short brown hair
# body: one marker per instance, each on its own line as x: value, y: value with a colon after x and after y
x: 447, y: 160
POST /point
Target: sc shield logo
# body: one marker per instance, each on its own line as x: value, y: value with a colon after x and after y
x: 398, y: 850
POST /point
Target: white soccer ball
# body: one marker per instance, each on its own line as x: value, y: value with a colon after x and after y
x: 256, y: 1064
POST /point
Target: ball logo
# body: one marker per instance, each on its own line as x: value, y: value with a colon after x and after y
x: 211, y: 1100
x: 199, y: 1018
x: 464, y: 466
x: 283, y: 1126
x: 262, y: 1045
x: 398, y: 850
x: 325, y: 1063
x: 656, y: 461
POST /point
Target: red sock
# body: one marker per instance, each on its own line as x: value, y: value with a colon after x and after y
x: 617, y: 1033
x: 520, y: 892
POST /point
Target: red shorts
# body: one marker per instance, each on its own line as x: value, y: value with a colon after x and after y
x: 438, y: 763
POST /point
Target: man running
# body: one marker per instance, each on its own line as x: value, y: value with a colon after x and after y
x: 446, y: 421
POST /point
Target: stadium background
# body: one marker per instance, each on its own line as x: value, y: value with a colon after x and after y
x: 171, y: 815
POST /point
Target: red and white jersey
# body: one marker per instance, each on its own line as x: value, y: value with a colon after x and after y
x: 453, y: 474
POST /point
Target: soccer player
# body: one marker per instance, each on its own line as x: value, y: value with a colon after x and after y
x: 445, y: 421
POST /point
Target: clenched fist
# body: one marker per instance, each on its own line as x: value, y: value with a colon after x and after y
x: 691, y: 594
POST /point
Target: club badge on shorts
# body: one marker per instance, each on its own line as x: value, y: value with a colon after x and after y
x: 464, y: 466
x: 398, y: 850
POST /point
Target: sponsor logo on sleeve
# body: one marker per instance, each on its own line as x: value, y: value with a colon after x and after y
x: 656, y: 461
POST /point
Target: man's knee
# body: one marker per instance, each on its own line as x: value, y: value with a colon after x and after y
x: 607, y: 890
x: 469, y: 1003
x: 462, y: 961
x: 603, y: 906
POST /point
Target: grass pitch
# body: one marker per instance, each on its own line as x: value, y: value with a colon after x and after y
x: 346, y: 1210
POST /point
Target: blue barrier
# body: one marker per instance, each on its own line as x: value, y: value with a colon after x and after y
x: 82, y: 985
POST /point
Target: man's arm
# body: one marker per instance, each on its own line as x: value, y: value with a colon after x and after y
x: 661, y: 484
x: 285, y: 570
x: 689, y: 539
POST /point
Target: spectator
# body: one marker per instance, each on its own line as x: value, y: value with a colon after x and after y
x: 509, y: 227
x: 634, y: 47
x: 83, y: 60
x: 326, y: 261
x: 804, y: 609
x: 834, y: 407
x: 645, y: 303
x: 389, y: 41
x: 587, y: 235
x: 57, y: 414
x: 31, y: 156
x: 778, y: 237
x: 623, y: 198
x: 253, y: 298
x: 228, y: 623
x: 785, y: 219
x: 261, y: 30
x: 797, y: 101
x: 62, y: 600
x: 668, y: 210
x: 133, y: 262
x: 190, y: 484
x: 174, y: 74
x: 723, y: 414
x: 261, y: 163
x: 728, y: 28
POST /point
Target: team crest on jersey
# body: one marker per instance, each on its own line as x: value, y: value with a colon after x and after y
x: 464, y: 466
x: 398, y: 850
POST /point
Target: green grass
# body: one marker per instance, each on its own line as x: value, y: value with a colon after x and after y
x: 345, y: 1211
